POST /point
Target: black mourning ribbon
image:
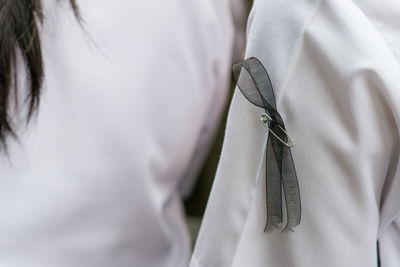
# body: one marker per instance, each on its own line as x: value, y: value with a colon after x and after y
x: 253, y: 81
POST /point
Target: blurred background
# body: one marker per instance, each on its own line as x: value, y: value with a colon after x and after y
x: 196, y: 203
x: 98, y: 177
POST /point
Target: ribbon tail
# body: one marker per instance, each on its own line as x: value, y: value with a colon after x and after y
x: 273, y: 189
x: 291, y: 191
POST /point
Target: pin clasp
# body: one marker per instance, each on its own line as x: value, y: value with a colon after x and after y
x: 266, y: 119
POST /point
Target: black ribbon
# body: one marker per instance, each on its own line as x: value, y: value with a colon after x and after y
x: 255, y: 84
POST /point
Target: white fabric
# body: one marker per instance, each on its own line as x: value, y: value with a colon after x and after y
x: 336, y: 76
x: 129, y: 105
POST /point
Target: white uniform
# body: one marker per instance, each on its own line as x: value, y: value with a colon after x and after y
x: 126, y: 114
x: 335, y: 70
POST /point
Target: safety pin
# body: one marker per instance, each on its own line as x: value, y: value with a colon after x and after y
x: 265, y: 119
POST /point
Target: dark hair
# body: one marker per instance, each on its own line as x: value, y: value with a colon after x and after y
x: 19, y: 34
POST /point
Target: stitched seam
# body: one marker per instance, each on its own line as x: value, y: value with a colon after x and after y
x: 296, y: 54
x: 380, y: 33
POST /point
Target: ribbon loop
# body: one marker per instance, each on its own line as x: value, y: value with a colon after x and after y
x: 254, y: 82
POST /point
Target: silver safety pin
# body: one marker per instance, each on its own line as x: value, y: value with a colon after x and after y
x: 265, y: 119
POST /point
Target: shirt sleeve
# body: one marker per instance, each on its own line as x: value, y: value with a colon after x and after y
x: 336, y: 86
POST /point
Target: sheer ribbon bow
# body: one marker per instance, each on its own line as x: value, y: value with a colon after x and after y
x: 253, y: 81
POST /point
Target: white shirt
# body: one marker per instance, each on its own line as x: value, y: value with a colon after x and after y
x: 128, y: 107
x: 335, y: 70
